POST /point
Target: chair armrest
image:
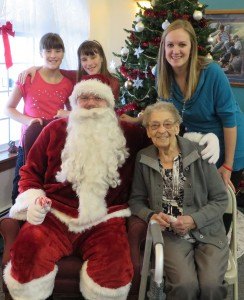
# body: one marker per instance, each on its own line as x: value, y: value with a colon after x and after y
x: 9, y: 229
x: 137, y: 231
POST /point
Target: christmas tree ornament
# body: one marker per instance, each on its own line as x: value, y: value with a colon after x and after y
x: 153, y: 3
x: 200, y: 5
x: 165, y: 24
x: 139, y: 27
x: 124, y: 51
x: 138, y: 52
x: 137, y: 83
x: 123, y: 100
x: 153, y: 70
x: 210, y: 40
x: 112, y: 65
x: 197, y: 15
x: 145, y: 44
x: 138, y: 18
x: 128, y: 84
x: 145, y: 73
x: 209, y: 56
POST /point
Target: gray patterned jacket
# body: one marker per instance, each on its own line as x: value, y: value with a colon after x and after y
x: 205, y: 195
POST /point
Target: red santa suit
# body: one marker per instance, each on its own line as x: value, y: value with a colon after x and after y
x: 85, y: 222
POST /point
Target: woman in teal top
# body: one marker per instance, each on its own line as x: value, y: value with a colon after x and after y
x: 201, y: 92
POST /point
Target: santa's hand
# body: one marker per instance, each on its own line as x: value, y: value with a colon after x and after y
x: 37, y: 210
x: 211, y: 151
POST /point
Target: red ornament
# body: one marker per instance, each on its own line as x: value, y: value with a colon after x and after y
x: 145, y: 44
x: 176, y: 15
x: 125, y: 108
x: 203, y: 23
x: 185, y: 17
x: 162, y: 13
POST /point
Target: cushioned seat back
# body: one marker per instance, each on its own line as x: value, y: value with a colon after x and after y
x: 31, y: 135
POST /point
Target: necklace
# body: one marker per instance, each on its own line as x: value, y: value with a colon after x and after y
x: 173, y: 184
x: 183, y: 110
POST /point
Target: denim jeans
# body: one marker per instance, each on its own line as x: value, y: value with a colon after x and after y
x: 19, y: 164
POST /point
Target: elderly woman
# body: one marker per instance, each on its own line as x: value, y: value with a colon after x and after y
x: 187, y: 197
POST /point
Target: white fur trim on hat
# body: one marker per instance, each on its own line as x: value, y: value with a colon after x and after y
x: 92, y: 86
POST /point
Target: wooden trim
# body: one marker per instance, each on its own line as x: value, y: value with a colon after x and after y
x: 223, y: 11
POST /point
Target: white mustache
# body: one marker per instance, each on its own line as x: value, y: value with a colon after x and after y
x: 93, y: 113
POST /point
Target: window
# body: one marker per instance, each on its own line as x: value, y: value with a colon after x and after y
x: 22, y: 49
x: 31, y: 21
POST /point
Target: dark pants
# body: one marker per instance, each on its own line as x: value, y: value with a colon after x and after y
x: 19, y: 164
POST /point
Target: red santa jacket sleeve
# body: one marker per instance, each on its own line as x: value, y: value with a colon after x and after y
x: 43, y: 162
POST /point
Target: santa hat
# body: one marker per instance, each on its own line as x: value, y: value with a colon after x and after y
x: 97, y: 84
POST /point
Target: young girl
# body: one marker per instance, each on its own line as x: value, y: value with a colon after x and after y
x: 44, y: 98
x: 91, y: 61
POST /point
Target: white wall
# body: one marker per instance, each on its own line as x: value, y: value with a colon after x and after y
x: 108, y: 19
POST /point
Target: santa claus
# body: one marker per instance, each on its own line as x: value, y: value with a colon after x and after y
x: 73, y: 193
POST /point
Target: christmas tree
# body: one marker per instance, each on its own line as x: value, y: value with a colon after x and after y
x: 139, y: 55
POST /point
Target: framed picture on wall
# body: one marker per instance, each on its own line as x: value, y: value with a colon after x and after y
x: 227, y: 42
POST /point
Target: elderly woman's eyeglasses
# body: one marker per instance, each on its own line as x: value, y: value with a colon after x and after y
x: 86, y: 98
x: 156, y: 125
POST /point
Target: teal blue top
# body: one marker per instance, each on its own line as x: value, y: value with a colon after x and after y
x: 211, y: 108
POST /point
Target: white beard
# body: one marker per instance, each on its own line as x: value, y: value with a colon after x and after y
x: 94, y: 150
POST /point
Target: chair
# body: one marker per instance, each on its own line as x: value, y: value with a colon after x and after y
x: 231, y: 276
x: 67, y: 279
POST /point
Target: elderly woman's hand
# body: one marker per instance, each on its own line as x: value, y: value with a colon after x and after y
x: 182, y: 225
x: 162, y: 219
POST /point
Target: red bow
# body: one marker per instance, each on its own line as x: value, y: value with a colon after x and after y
x: 6, y: 30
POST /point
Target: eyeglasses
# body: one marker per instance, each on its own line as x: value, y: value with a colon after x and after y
x: 86, y: 99
x: 156, y: 125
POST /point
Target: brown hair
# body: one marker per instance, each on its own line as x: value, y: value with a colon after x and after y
x: 195, y: 64
x: 51, y: 41
x: 91, y: 48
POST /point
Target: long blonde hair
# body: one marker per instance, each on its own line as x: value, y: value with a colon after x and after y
x: 195, y: 64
